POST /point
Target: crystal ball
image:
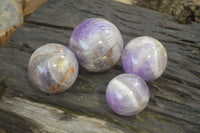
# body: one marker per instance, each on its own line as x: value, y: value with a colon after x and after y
x: 127, y: 94
x: 53, y: 68
x: 146, y: 57
x: 97, y: 43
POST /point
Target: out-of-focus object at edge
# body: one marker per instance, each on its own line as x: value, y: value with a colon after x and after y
x: 11, y: 16
x: 184, y: 11
x: 30, y: 6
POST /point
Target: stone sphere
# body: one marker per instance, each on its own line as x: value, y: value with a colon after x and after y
x: 127, y: 94
x: 97, y: 44
x: 53, y: 68
x: 146, y: 57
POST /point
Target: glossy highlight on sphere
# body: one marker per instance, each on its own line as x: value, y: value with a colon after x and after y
x: 53, y: 68
x: 146, y: 57
x: 97, y: 43
x: 127, y: 94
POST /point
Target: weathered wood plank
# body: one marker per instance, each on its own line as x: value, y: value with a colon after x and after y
x: 11, y: 122
x: 49, y: 119
x: 175, y: 97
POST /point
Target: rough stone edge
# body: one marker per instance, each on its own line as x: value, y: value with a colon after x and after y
x: 26, y: 8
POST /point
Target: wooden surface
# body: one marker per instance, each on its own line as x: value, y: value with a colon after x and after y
x: 175, y: 97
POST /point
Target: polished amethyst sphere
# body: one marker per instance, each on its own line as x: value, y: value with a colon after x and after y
x: 53, y: 68
x: 145, y: 57
x: 97, y: 43
x: 127, y: 94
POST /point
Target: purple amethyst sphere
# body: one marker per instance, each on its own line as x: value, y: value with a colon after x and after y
x: 127, y: 94
x: 97, y: 43
x: 53, y: 68
x: 146, y: 57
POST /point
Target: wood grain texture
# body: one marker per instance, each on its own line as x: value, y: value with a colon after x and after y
x: 11, y: 122
x: 49, y: 119
x: 175, y: 97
